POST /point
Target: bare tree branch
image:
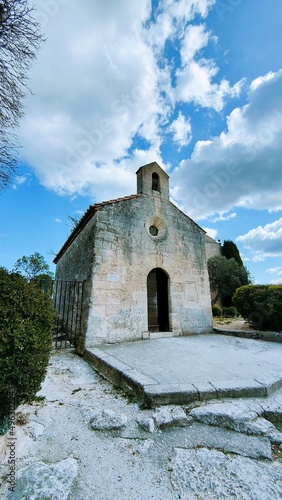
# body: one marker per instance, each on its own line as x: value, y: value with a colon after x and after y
x: 20, y: 39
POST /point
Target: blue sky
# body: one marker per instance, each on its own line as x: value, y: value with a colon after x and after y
x: 194, y: 85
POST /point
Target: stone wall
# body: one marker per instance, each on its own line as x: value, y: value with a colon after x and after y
x: 212, y: 247
x: 76, y: 265
x: 115, y: 247
x: 77, y: 260
x: 124, y: 254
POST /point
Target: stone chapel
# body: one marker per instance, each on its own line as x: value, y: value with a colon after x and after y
x: 144, y: 262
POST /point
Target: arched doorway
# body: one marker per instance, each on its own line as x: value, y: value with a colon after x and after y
x: 158, y: 303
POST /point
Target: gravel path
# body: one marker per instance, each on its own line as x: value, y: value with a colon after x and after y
x: 83, y: 442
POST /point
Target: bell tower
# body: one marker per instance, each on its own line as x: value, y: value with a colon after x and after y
x: 153, y: 180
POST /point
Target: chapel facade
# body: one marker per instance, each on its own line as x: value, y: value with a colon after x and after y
x: 144, y: 262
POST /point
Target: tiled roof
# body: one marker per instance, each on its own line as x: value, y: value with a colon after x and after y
x: 92, y: 209
x: 117, y: 200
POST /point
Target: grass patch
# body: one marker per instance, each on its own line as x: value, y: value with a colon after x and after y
x: 39, y: 399
x: 21, y: 419
x: 222, y: 321
x: 76, y: 390
x: 226, y: 321
x: 276, y: 452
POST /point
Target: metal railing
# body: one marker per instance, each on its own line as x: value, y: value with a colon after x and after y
x: 68, y: 299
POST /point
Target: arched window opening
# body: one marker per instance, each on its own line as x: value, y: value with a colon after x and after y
x: 155, y: 182
x: 158, y: 301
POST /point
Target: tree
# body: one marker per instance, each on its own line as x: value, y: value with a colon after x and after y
x: 33, y: 267
x: 73, y: 221
x: 230, y: 250
x: 20, y: 39
x: 226, y: 275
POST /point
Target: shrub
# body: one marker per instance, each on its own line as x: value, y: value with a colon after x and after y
x: 26, y: 324
x: 216, y: 310
x: 44, y: 282
x: 260, y: 305
x: 225, y: 276
x: 229, y: 312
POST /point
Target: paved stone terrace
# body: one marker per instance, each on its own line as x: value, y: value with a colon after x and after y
x: 181, y: 370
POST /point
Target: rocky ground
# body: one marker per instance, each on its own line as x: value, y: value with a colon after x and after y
x: 85, y: 440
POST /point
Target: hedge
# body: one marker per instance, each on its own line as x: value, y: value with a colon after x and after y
x: 224, y: 312
x: 26, y: 328
x: 216, y: 310
x: 260, y: 306
x: 229, y: 312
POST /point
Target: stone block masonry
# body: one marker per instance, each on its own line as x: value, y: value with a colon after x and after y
x: 146, y: 264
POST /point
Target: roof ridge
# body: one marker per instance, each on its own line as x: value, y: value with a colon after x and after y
x: 87, y: 216
x: 116, y: 200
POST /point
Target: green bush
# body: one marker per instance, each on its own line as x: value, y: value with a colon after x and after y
x: 225, y: 276
x: 260, y: 306
x: 44, y: 282
x: 216, y: 310
x: 229, y: 312
x: 26, y: 327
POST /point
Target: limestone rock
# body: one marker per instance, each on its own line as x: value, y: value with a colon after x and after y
x: 107, y: 420
x: 230, y: 415
x: 167, y: 416
x: 147, y: 424
x: 145, y: 446
x: 272, y: 409
x: 201, y: 474
x: 40, y: 481
x: 275, y: 437
x: 35, y: 429
x: 202, y: 436
x: 263, y: 427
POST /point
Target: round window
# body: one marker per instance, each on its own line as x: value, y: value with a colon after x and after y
x: 153, y: 230
x: 156, y: 228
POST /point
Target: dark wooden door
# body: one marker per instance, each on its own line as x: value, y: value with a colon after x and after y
x: 158, y: 305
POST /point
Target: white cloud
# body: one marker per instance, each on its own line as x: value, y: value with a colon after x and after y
x: 211, y: 232
x: 277, y: 271
x: 92, y: 95
x: 261, y: 79
x: 19, y: 180
x: 58, y: 221
x: 99, y: 82
x: 194, y: 40
x: 242, y: 166
x: 182, y: 130
x: 264, y: 241
x: 195, y: 77
x: 224, y: 217
x: 173, y: 15
x: 194, y: 85
x: 244, y: 258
